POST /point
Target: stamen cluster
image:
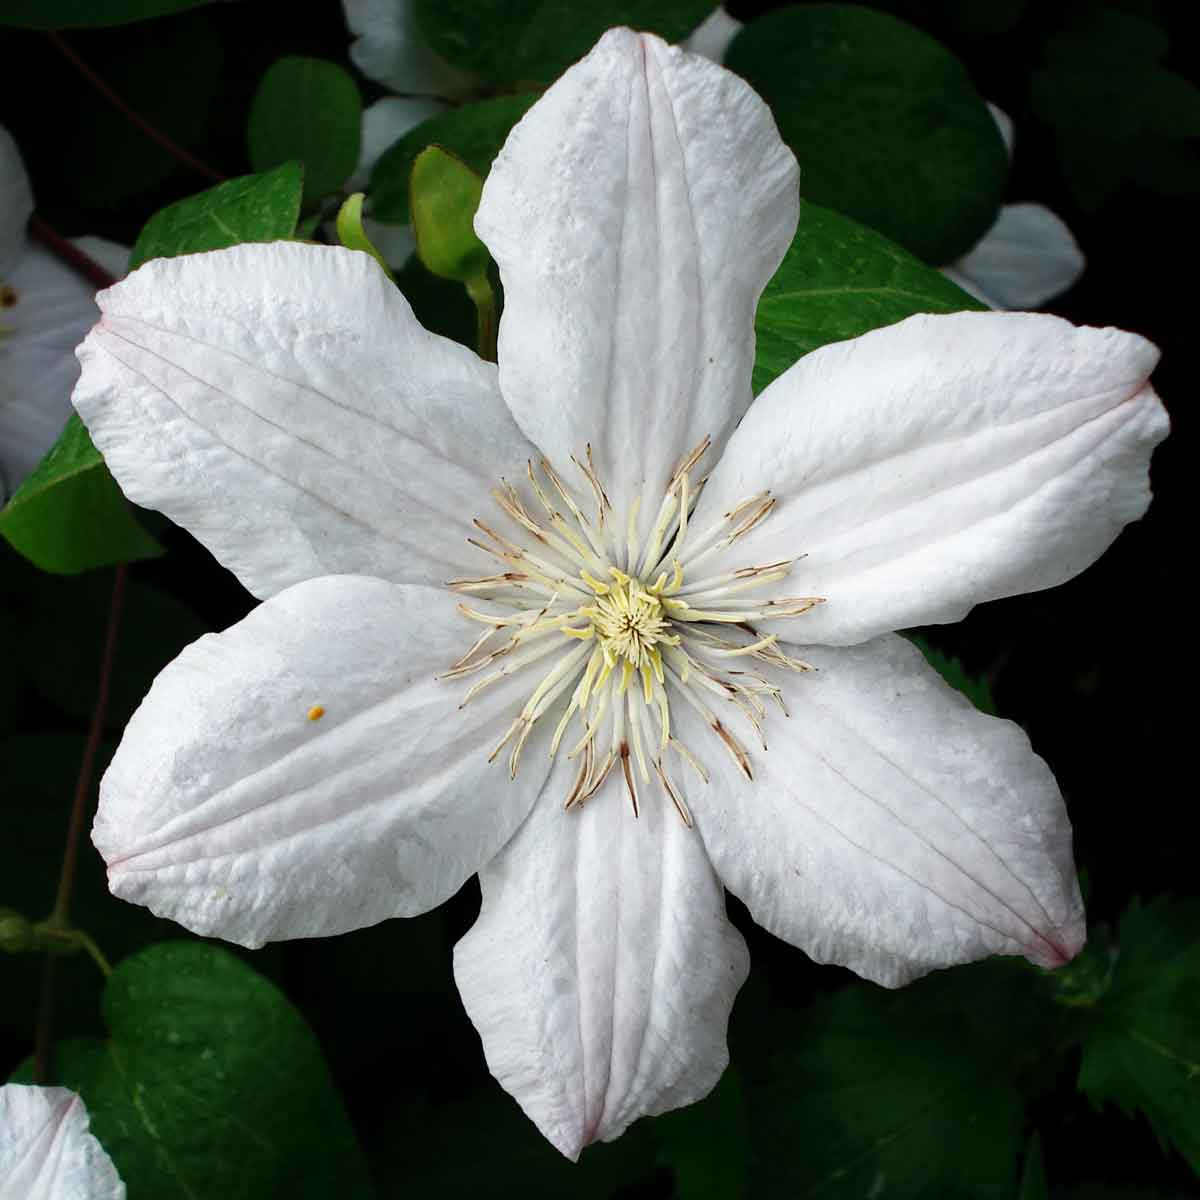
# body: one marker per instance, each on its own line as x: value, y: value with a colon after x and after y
x: 625, y: 627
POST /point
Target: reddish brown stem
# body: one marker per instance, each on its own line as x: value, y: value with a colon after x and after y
x: 79, y: 813
x: 45, y: 1022
x: 153, y: 133
x: 87, y: 766
x: 83, y: 264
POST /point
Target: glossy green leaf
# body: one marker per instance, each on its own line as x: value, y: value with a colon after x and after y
x: 884, y: 120
x: 69, y: 515
x: 901, y: 1094
x: 534, y: 41
x: 473, y: 133
x: 1142, y: 1047
x: 309, y: 111
x: 252, y: 208
x: 976, y: 688
x: 87, y: 14
x: 839, y: 279
x: 210, y: 1086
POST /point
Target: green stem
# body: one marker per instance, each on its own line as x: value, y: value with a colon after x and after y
x: 484, y: 299
x: 75, y: 938
x: 96, y: 953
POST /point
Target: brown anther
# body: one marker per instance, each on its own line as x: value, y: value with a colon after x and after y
x: 739, y: 755
x: 627, y: 769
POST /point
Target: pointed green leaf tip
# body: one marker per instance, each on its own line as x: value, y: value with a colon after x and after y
x: 443, y: 198
x: 444, y: 194
x: 353, y: 236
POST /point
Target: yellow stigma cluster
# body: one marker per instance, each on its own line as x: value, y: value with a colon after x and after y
x: 629, y: 624
x: 607, y: 606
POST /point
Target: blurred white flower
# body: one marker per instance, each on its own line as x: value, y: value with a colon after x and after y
x: 45, y: 308
x: 1028, y: 257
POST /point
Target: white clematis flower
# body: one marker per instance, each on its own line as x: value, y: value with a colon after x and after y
x: 45, y: 308
x: 641, y: 550
x: 46, y: 1151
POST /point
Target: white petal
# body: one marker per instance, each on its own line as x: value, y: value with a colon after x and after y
x: 383, y: 124
x: 16, y: 203
x: 636, y: 214
x: 283, y: 404
x: 46, y: 1151
x: 1026, y: 258
x: 231, y: 810
x: 602, y: 969
x: 940, y: 462
x: 891, y: 827
x: 54, y: 307
x: 390, y: 48
x: 712, y: 37
x: 1004, y: 123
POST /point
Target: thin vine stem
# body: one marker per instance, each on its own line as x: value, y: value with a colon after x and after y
x: 151, y: 131
x: 78, y: 260
x: 60, y: 914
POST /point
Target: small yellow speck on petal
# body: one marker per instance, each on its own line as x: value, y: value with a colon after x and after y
x: 316, y: 712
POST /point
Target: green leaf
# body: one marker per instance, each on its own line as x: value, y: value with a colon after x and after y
x: 838, y: 280
x: 87, y: 14
x: 976, y: 688
x: 69, y: 515
x: 307, y: 110
x: 707, y: 1144
x: 473, y: 133
x: 210, y: 1085
x: 445, y: 194
x: 884, y: 121
x: 899, y: 1094
x: 534, y: 41
x: 252, y: 208
x: 1142, y: 1046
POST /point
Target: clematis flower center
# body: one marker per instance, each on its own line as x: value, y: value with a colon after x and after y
x: 628, y: 622
x: 627, y: 625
